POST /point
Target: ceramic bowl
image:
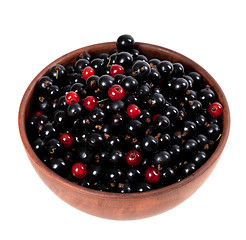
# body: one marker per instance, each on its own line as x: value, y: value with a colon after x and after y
x: 128, y: 205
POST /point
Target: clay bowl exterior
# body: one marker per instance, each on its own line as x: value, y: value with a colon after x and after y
x: 125, y: 206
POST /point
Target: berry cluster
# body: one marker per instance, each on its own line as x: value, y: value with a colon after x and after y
x: 122, y: 122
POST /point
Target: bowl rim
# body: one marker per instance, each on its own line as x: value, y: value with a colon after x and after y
x: 127, y: 196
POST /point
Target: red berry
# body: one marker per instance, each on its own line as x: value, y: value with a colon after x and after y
x: 133, y: 157
x: 38, y: 113
x: 87, y: 72
x: 71, y: 97
x: 152, y: 175
x: 79, y: 170
x: 155, y: 116
x: 90, y: 102
x: 116, y: 92
x: 215, y: 109
x: 116, y: 69
x: 133, y: 111
x: 66, y: 139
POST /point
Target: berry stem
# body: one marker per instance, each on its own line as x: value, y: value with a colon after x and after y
x: 109, y: 61
x: 103, y: 100
x: 218, y: 138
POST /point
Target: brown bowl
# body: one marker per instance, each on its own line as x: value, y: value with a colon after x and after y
x: 128, y: 205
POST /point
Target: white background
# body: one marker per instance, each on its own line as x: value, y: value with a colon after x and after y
x: 33, y: 34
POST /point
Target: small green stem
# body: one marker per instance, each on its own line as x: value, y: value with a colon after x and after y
x: 218, y: 138
x: 57, y: 74
x: 109, y: 61
x: 103, y: 100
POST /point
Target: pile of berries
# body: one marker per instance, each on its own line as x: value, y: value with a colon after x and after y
x: 121, y: 122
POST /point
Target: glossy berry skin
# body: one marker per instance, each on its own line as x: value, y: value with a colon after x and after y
x: 79, y: 170
x: 168, y: 176
x: 134, y: 174
x: 143, y: 187
x: 154, y: 76
x: 149, y: 144
x: 206, y: 96
x: 84, y: 155
x: 53, y: 147
x: 113, y: 142
x: 161, y: 122
x: 215, y: 109
x: 162, y: 159
x: 165, y: 68
x: 156, y: 100
x: 116, y: 157
x: 178, y: 70
x: 105, y: 82
x: 117, y: 106
x: 125, y: 188
x: 116, y: 69
x: 202, y: 141
x: 190, y: 147
x: 194, y: 107
x: 116, y: 92
x: 200, y: 121
x: 133, y: 158
x: 71, y: 97
x: 38, y: 146
x: 92, y: 82
x: 171, y: 112
x: 90, y: 102
x: 188, y: 169
x: 81, y: 64
x: 59, y: 166
x: 66, y: 139
x: 114, y: 176
x: 119, y: 78
x: 95, y: 140
x: 212, y: 131
x: 95, y: 172
x: 145, y: 116
x: 179, y: 85
x: 48, y: 131
x: 117, y: 120
x: 143, y: 91
x: 164, y: 141
x: 141, y: 69
x: 52, y: 91
x: 133, y: 111
x: 200, y: 158
x: 87, y: 72
x: 44, y: 83
x: 152, y: 175
x: 198, y: 80
x: 60, y: 118
x: 57, y: 72
x: 125, y: 42
x: 97, y: 64
x: 134, y: 127
x: 130, y: 84
x: 96, y: 115
x: 189, y: 128
x: 74, y: 110
x: 124, y: 59
x: 79, y: 88
x: 85, y: 55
